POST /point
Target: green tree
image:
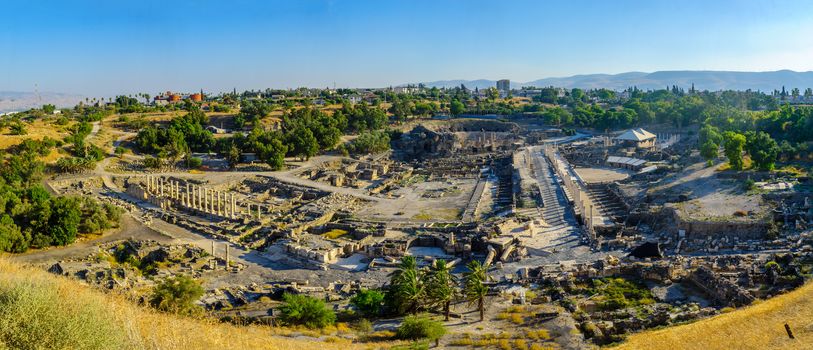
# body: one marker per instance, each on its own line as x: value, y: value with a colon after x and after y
x: 304, y: 310
x: 273, y: 153
x: 474, y: 286
x: 64, y: 220
x: 457, y: 107
x: 233, y: 156
x: 11, y: 239
x: 177, y: 295
x: 303, y: 143
x: 709, y: 133
x: 708, y: 150
x: 762, y: 149
x: 370, y: 142
x: 733, y: 145
x: 407, y: 290
x: 368, y: 301
x: 440, y: 286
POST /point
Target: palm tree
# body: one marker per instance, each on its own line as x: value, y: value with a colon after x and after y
x: 441, y: 286
x: 407, y: 289
x: 474, y: 287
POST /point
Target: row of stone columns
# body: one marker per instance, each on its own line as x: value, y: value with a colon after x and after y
x: 195, y: 197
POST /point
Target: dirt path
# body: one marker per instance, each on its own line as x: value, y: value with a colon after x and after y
x: 129, y: 228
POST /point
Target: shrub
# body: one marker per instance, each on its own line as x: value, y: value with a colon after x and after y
x: 177, y: 294
x: 749, y: 185
x: 521, y: 344
x: 368, y: 301
x: 420, y: 327
x: 307, y: 311
x: 152, y: 162
x: 364, y: 326
x: 18, y: 128
x: 193, y: 162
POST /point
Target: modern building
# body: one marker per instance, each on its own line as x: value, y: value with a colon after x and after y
x: 639, y: 138
x: 504, y: 86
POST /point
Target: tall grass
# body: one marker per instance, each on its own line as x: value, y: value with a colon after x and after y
x: 36, y: 313
x: 42, y: 311
x: 759, y: 326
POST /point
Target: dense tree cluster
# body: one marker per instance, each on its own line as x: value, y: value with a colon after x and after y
x: 31, y: 217
x: 182, y: 135
x: 414, y: 289
x: 370, y: 142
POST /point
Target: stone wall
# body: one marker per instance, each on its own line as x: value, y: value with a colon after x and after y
x: 720, y: 289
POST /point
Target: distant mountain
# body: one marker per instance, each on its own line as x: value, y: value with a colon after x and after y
x: 13, y: 101
x: 703, y: 80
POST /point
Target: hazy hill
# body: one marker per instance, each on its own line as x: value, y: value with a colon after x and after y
x: 11, y: 101
x: 703, y: 80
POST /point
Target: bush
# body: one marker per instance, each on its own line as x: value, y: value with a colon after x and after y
x: 420, y: 327
x: 305, y: 310
x: 177, y: 294
x: 749, y: 185
x: 152, y: 162
x: 364, y: 326
x: 18, y: 128
x: 193, y: 162
x: 368, y: 301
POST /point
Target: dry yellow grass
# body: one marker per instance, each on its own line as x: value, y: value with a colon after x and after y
x: 35, y: 130
x: 760, y: 326
x: 143, y: 328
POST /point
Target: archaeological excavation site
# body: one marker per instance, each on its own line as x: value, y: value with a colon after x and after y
x: 591, y: 237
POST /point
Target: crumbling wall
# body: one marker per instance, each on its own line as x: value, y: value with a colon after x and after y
x: 720, y: 289
x: 702, y: 229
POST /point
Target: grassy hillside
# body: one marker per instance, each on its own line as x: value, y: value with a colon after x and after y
x: 42, y: 311
x: 760, y: 326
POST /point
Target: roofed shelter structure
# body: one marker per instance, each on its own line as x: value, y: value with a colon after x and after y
x: 638, y: 138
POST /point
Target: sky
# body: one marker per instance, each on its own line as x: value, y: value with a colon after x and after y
x: 104, y: 48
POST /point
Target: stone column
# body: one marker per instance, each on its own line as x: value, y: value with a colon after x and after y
x: 219, y: 205
x: 225, y: 204
x: 162, y: 184
x: 207, y: 203
x: 233, y: 207
x: 211, y: 201
x: 258, y: 212
x: 227, y: 256
x: 200, y: 198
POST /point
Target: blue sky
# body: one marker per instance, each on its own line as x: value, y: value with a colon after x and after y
x: 109, y: 47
